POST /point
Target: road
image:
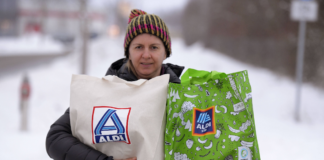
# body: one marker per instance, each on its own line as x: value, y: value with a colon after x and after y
x: 12, y: 64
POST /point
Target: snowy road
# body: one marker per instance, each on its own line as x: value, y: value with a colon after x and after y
x: 12, y: 64
x: 279, y: 136
x: 28, y: 50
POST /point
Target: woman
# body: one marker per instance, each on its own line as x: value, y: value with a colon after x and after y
x: 147, y: 43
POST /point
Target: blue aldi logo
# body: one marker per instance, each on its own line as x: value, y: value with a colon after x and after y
x: 110, y: 124
x: 203, y: 121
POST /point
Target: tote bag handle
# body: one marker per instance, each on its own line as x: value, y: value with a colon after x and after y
x: 119, y: 80
x: 192, y: 76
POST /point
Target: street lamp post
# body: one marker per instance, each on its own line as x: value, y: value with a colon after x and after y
x: 84, y: 35
x: 302, y: 11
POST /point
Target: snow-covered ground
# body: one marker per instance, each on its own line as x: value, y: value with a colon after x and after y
x: 32, y: 43
x: 279, y: 136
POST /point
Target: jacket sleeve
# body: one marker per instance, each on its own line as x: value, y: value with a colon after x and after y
x: 62, y: 145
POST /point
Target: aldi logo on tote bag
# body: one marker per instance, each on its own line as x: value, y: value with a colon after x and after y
x: 203, y: 121
x: 110, y: 124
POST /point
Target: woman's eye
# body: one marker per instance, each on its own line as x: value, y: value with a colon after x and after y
x: 138, y: 47
x: 154, y: 47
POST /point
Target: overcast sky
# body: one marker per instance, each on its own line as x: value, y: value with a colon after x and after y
x: 150, y: 6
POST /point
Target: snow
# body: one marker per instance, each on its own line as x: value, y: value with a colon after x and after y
x: 32, y: 43
x: 279, y: 136
x: 159, y: 6
x: 148, y: 5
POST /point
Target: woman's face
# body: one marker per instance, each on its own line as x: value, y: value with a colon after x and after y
x: 147, y: 53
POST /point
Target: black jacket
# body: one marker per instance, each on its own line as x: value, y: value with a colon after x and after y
x: 60, y: 143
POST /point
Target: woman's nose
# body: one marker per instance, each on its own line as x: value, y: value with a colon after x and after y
x: 146, y: 53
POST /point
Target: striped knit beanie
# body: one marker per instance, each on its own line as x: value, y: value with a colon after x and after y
x: 140, y: 22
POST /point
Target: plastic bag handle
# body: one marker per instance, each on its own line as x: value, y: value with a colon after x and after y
x: 192, y: 76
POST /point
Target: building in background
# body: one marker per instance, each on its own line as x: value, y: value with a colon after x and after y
x: 57, y: 18
x: 8, y: 17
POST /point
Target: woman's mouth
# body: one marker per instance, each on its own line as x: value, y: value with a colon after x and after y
x: 146, y: 64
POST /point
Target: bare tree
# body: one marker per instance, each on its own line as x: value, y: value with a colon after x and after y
x: 259, y: 32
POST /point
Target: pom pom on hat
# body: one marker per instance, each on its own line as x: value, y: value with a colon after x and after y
x: 135, y: 13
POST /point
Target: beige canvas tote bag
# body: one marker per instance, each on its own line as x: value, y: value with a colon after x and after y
x: 120, y: 118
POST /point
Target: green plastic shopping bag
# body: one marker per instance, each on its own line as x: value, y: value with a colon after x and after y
x: 210, y: 116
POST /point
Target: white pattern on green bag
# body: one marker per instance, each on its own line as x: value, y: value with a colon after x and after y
x: 231, y: 99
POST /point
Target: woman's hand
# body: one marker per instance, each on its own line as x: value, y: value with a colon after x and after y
x: 128, y: 159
